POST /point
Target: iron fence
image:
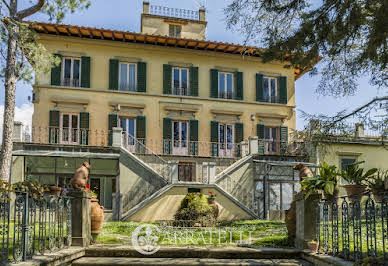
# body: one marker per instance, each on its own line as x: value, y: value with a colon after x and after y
x: 353, y: 229
x: 31, y: 226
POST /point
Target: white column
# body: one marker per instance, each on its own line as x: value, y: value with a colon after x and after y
x: 117, y: 136
x: 212, y: 172
x: 244, y: 148
x: 253, y: 145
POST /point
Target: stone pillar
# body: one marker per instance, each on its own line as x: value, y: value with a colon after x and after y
x: 212, y: 172
x: 253, y: 144
x: 306, y: 218
x: 146, y: 7
x: 202, y: 14
x: 80, y: 218
x: 244, y: 148
x: 117, y: 136
x: 173, y: 172
x: 359, y: 132
x: 17, y: 131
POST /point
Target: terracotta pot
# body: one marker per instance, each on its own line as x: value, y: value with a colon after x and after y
x: 54, y: 190
x: 290, y: 220
x: 313, y: 247
x: 96, y: 216
x: 354, y: 191
x: 212, y: 203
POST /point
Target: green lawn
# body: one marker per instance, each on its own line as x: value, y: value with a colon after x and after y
x: 256, y: 232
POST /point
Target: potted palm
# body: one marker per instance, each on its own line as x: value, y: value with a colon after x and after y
x: 313, y: 246
x: 325, y: 182
x: 356, y: 177
x: 376, y: 185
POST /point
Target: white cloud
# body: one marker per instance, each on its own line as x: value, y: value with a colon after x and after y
x: 22, y: 114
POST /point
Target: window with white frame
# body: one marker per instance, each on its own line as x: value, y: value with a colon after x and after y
x: 225, y: 85
x: 226, y: 136
x: 129, y: 130
x: 271, y: 139
x: 270, y: 90
x: 175, y: 30
x: 127, y: 77
x: 180, y: 77
x: 69, y: 128
x: 71, y: 72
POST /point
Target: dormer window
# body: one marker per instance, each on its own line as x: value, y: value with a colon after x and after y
x: 71, y: 72
x: 175, y: 31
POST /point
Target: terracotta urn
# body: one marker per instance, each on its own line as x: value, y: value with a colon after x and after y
x: 313, y: 246
x: 290, y: 220
x: 212, y: 203
x: 96, y: 215
x: 54, y: 190
x: 354, y: 191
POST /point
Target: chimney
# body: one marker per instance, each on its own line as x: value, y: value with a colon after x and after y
x: 315, y: 125
x: 202, y: 14
x: 359, y: 132
x: 146, y: 7
x: 17, y: 131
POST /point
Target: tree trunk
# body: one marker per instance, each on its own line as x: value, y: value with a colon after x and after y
x: 10, y: 86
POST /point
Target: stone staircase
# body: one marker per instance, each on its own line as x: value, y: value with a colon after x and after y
x: 126, y: 255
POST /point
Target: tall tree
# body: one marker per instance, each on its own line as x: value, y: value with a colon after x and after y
x: 22, y: 54
x: 351, y: 36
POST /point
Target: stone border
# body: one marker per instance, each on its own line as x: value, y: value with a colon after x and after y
x: 55, y: 258
x: 324, y: 260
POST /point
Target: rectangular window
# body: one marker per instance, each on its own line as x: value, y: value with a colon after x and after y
x: 71, y: 72
x: 225, y: 85
x: 127, y: 77
x: 129, y: 132
x: 271, y: 140
x: 175, y: 31
x: 347, y: 161
x: 180, y: 77
x: 226, y: 140
x: 180, y: 137
x: 69, y: 128
x: 186, y: 171
x: 270, y: 90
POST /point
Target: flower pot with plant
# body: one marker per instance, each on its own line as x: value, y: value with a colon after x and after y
x: 96, y: 214
x: 313, y: 246
x: 55, y: 190
x: 33, y: 187
x: 376, y: 185
x: 356, y: 177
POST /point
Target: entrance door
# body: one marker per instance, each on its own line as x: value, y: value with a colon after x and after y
x: 180, y: 136
x: 271, y: 140
x: 129, y: 133
x: 226, y: 139
x: 69, y: 130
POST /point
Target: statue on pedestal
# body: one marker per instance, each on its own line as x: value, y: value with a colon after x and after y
x: 80, y: 178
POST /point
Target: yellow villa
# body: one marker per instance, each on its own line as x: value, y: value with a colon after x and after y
x: 160, y: 113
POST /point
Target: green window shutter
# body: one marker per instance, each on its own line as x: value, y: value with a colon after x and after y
x: 282, y: 89
x: 260, y: 87
x: 214, y: 137
x: 54, y: 126
x: 239, y: 132
x: 239, y: 137
x: 167, y: 76
x: 85, y: 72
x: 260, y: 134
x: 193, y: 81
x: 239, y: 85
x: 141, y: 77
x: 84, y: 127
x: 283, y: 139
x: 140, y: 127
x: 113, y: 121
x: 56, y: 72
x: 114, y: 74
x: 193, y: 137
x: 167, y: 135
x: 213, y: 83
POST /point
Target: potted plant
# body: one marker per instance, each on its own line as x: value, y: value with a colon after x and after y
x: 325, y: 182
x: 313, y: 246
x: 33, y: 187
x: 376, y: 185
x: 356, y: 177
x: 96, y: 214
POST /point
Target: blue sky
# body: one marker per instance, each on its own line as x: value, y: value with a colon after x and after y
x: 125, y: 15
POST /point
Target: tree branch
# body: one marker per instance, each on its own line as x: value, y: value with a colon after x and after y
x: 6, y: 4
x: 376, y: 99
x: 29, y: 11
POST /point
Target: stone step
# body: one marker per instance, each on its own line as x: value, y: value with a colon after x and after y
x: 104, y: 261
x: 195, y: 252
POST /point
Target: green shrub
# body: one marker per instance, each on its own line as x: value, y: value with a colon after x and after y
x: 368, y: 261
x: 195, y: 209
